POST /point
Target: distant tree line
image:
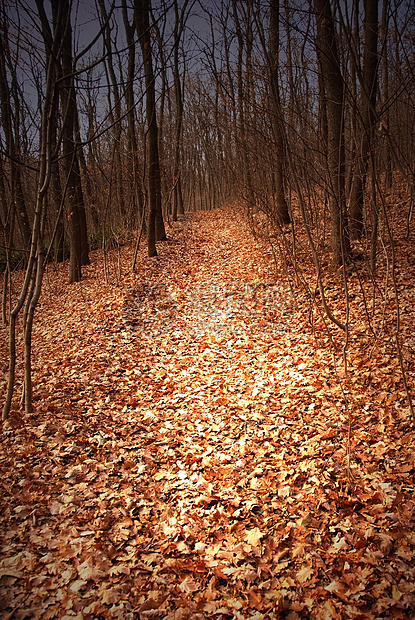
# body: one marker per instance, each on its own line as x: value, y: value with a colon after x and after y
x: 119, y: 116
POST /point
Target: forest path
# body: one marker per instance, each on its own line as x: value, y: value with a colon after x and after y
x: 187, y: 453
x: 210, y: 315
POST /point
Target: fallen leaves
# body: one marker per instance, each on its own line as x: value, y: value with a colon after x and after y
x: 254, y: 536
x: 187, y: 454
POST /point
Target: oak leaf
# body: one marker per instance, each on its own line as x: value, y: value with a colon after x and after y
x: 305, y: 574
x: 253, y: 537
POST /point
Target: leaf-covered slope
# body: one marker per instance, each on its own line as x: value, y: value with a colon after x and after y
x: 188, y: 453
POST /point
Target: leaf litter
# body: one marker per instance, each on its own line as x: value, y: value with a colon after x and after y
x: 188, y: 452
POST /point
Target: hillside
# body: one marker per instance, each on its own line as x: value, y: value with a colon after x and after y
x: 196, y: 450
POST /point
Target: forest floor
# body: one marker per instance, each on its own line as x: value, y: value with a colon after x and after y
x: 196, y: 450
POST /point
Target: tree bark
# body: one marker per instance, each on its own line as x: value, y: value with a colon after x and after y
x: 31, y: 287
x: 79, y: 254
x: 155, y: 224
x: 179, y: 25
x: 131, y: 117
x: 10, y: 127
x: 387, y: 157
x: 282, y: 214
x: 244, y: 39
x: 114, y: 104
x: 368, y: 116
x: 326, y: 45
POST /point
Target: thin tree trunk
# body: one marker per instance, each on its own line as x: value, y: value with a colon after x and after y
x: 115, y: 106
x: 242, y: 134
x: 385, y: 94
x: 155, y: 224
x: 131, y: 132
x: 30, y: 290
x: 368, y: 115
x: 79, y: 254
x: 9, y: 128
x: 179, y: 25
x: 326, y: 45
x: 281, y: 204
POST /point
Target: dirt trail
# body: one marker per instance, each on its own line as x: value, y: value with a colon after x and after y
x: 210, y: 304
x: 187, y: 454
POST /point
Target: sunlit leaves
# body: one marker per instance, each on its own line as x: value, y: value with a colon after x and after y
x: 197, y: 466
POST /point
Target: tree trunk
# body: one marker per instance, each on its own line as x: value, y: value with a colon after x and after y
x: 244, y: 38
x: 9, y: 128
x: 282, y: 214
x: 31, y: 287
x: 75, y: 208
x: 114, y: 107
x: 131, y: 118
x: 179, y: 25
x: 326, y: 45
x: 387, y: 157
x: 368, y: 115
x: 155, y: 224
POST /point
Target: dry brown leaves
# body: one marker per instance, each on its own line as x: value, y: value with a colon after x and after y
x: 188, y: 453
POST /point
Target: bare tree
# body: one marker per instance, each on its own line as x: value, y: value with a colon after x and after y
x: 179, y: 25
x: 10, y: 109
x: 114, y: 102
x: 281, y: 205
x: 155, y: 224
x: 131, y: 113
x: 368, y: 115
x: 31, y: 287
x: 326, y: 46
x: 276, y: 164
x: 74, y: 194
